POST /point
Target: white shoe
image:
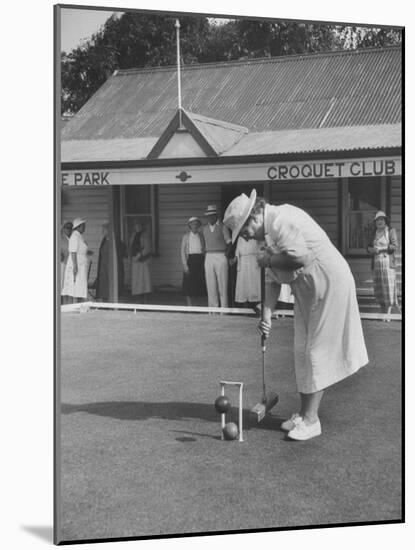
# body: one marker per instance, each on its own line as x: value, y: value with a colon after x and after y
x: 291, y: 423
x: 302, y: 431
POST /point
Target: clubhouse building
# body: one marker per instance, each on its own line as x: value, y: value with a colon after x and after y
x: 319, y: 131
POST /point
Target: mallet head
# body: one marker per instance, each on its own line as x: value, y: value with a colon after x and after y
x: 261, y: 409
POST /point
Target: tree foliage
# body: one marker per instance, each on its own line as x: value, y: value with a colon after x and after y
x: 364, y: 37
x: 132, y: 40
x: 137, y: 40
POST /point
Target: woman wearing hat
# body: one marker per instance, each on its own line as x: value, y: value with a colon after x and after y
x: 65, y: 234
x: 193, y: 259
x: 382, y: 248
x: 76, y: 272
x: 140, y: 253
x: 328, y: 337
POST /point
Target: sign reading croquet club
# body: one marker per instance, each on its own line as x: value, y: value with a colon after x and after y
x: 223, y: 173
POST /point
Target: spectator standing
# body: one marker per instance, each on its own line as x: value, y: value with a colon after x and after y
x: 218, y: 240
x: 64, y: 250
x: 232, y: 273
x: 382, y: 248
x: 193, y: 259
x: 76, y: 272
x: 102, y: 282
x: 140, y: 253
x: 248, y: 277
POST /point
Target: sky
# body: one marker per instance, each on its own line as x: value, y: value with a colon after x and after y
x: 78, y: 25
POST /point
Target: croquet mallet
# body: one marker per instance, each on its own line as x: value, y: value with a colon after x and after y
x: 270, y: 399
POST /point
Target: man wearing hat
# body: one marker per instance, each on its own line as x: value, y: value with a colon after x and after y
x: 76, y: 272
x: 193, y: 258
x: 328, y: 338
x: 217, y: 238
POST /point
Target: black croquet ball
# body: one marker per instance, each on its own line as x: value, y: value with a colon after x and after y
x: 222, y: 404
x: 230, y: 431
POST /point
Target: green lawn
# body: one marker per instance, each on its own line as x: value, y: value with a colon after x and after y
x: 141, y: 453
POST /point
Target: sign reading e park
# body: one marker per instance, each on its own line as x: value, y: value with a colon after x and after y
x: 231, y: 172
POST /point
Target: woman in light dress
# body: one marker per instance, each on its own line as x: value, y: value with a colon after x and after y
x: 140, y: 253
x: 248, y: 273
x: 76, y: 272
x: 328, y: 337
x: 64, y: 250
x: 382, y: 248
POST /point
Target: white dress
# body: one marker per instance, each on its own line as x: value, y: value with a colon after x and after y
x: 248, y: 277
x: 64, y: 257
x: 77, y: 288
x: 328, y: 336
x: 140, y: 271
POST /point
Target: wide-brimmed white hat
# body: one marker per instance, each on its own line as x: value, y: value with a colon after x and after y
x: 211, y: 209
x: 380, y: 214
x: 194, y: 219
x: 237, y: 213
x: 77, y: 222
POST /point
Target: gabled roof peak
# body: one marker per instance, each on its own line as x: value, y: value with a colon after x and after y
x: 212, y: 136
x: 197, y: 117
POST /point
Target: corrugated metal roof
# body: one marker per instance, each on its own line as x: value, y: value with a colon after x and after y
x: 347, y: 88
x: 349, y: 138
x: 106, y: 149
x: 284, y: 141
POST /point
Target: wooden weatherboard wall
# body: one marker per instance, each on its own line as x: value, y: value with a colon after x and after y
x: 317, y: 198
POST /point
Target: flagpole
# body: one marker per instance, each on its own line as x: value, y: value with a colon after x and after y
x: 179, y: 88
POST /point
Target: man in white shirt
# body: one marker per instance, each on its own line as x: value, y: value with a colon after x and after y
x: 217, y: 238
x: 193, y: 257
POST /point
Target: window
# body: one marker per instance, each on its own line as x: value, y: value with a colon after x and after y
x: 362, y: 198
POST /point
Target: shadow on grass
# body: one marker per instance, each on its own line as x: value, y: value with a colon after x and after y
x: 141, y: 410
x: 185, y: 439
